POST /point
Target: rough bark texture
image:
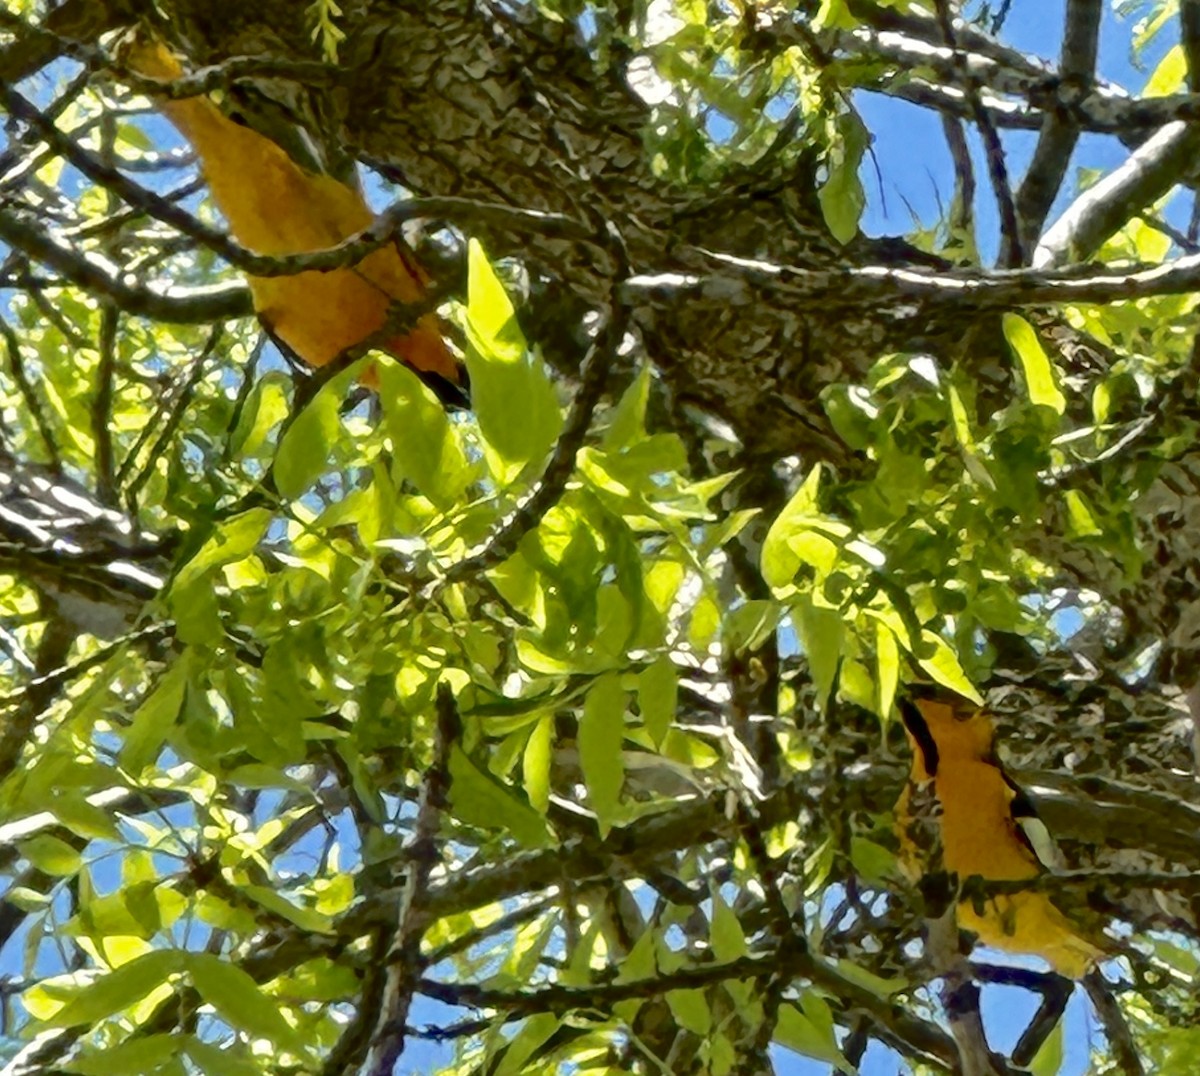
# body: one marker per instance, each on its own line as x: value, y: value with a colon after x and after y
x: 472, y: 100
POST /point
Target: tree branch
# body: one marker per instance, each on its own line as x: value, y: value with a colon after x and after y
x: 405, y: 962
x: 1060, y: 131
x: 93, y: 273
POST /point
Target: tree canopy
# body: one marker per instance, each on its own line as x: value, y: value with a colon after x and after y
x: 345, y: 731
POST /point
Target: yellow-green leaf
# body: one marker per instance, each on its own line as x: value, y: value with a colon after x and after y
x: 480, y: 800
x: 944, y: 667
x: 658, y: 690
x: 48, y: 853
x: 241, y: 1002
x: 119, y: 989
x: 601, y: 736
x: 536, y: 763
x: 1035, y: 363
x: 887, y: 656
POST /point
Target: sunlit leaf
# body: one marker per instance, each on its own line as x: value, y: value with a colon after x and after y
x: 511, y: 395
x: 47, y: 853
x: 241, y: 1002
x: 119, y: 989
x: 658, y: 690
x: 481, y: 800
x: 1040, y: 381
x: 601, y: 737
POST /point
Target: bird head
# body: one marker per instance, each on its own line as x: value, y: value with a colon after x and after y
x: 941, y: 726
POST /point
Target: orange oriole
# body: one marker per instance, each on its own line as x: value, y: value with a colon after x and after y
x: 982, y: 819
x: 275, y: 207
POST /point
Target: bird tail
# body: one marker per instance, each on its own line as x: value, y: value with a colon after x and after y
x: 1028, y: 923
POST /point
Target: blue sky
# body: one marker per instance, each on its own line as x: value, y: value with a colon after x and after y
x: 911, y: 151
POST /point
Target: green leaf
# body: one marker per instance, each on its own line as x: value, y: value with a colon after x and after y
x: 1080, y: 521
x: 130, y: 1058
x: 779, y: 561
x: 943, y: 666
x: 426, y: 446
x: 241, y: 1003
x: 1039, y: 374
x: 1170, y: 75
x: 535, y: 1031
x: 802, y: 1034
x: 536, y: 763
x: 841, y: 196
x: 601, y: 736
x: 154, y: 719
x: 47, y: 853
x: 627, y: 421
x: 120, y: 989
x: 266, y: 407
x: 217, y: 1061
x: 887, y: 657
x: 231, y: 541
x: 820, y: 632
x: 691, y: 1009
x: 726, y: 936
x: 871, y: 861
x: 750, y: 625
x: 307, y: 919
x: 834, y: 14
x: 658, y: 693
x: 84, y: 819
x: 480, y: 800
x: 304, y: 451
x: 511, y: 395
x: 1049, y: 1058
x: 962, y: 424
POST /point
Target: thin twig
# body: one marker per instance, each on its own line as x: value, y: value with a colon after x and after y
x: 964, y: 180
x: 32, y: 402
x: 405, y: 962
x: 384, y: 229
x: 97, y: 276
x: 502, y: 543
x: 178, y: 407
x: 993, y: 151
x: 102, y: 405
x: 1116, y: 1028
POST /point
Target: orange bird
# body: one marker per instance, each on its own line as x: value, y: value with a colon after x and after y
x: 984, y: 818
x: 275, y: 207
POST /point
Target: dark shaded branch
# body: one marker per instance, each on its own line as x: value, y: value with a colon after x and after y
x: 993, y: 151
x: 405, y: 962
x: 1116, y: 1028
x: 964, y: 178
x: 102, y: 404
x: 30, y: 398
x: 178, y: 407
x: 920, y: 1038
x: 384, y: 229
x: 72, y: 22
x: 1060, y: 132
x: 94, y: 274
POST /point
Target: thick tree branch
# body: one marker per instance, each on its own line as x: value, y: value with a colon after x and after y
x: 1060, y: 132
x: 1099, y: 212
